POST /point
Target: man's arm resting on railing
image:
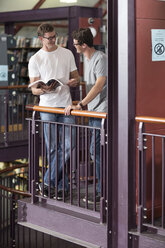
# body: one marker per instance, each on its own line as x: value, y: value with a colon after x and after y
x: 96, y: 89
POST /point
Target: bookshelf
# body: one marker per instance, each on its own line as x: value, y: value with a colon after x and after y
x: 8, y: 60
x: 23, y: 50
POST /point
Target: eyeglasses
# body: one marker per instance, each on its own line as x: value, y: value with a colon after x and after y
x: 78, y: 44
x: 50, y: 38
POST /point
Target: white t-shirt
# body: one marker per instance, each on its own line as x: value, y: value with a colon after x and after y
x: 57, y: 64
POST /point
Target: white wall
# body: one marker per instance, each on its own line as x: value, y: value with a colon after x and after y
x: 13, y: 5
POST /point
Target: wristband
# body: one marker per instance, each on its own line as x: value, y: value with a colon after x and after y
x: 81, y: 105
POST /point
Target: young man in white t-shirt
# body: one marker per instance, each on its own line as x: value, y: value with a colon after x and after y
x: 53, y: 61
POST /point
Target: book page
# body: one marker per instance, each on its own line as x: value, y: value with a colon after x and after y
x: 35, y: 82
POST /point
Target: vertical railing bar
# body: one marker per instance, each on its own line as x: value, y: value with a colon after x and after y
x: 71, y: 161
x: 104, y: 172
x: 7, y: 179
x: 78, y: 164
x: 12, y: 115
x: 49, y: 162
x: 6, y: 209
x: 153, y: 178
x: 18, y: 232
x: 43, y: 240
x: 3, y: 217
x: 88, y: 164
x: 42, y: 156
x: 29, y: 237
x: 8, y: 199
x: 17, y: 104
x: 140, y: 177
x: 94, y: 170
x: 6, y: 118
x: 23, y: 115
x: 32, y: 152
x: 45, y: 153
x: 86, y: 167
x: 0, y: 210
x: 36, y: 238
x: 101, y: 171
x: 63, y: 161
x: 23, y: 236
x: 29, y: 154
x: 56, y: 163
x: 1, y: 115
x: 3, y: 225
x: 36, y: 152
x: 50, y: 241
x: 163, y: 182
x: 82, y: 142
x: 102, y: 161
x: 12, y: 219
x: 12, y: 118
x: 144, y: 170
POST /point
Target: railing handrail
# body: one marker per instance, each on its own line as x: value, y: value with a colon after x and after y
x: 83, y: 113
x: 19, y: 192
x: 15, y: 191
x: 18, y: 166
x: 150, y: 119
x: 13, y: 87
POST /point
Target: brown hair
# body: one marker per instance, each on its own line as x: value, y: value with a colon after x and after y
x: 83, y: 35
x: 45, y: 28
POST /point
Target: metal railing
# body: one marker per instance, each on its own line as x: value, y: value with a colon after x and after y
x: 151, y: 174
x: 13, y: 126
x: 14, y: 187
x: 80, y: 168
x: 13, y: 184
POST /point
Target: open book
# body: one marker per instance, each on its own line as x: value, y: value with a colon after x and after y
x: 51, y: 85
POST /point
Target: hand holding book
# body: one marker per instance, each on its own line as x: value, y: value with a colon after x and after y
x: 50, y: 86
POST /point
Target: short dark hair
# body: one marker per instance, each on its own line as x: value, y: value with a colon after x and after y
x: 83, y: 35
x: 45, y: 28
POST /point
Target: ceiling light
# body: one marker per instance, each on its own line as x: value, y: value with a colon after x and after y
x: 68, y: 1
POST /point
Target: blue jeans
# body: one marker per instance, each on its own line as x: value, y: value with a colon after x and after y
x: 59, y: 146
x: 95, y: 122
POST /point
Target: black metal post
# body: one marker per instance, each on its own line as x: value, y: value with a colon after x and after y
x: 12, y: 220
x: 6, y: 119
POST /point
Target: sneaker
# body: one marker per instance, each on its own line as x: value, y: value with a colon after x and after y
x: 46, y: 190
x: 60, y: 194
x: 91, y: 200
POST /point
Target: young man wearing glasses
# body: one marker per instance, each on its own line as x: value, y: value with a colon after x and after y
x: 95, y: 76
x: 53, y: 61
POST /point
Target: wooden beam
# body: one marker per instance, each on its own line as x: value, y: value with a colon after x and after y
x: 36, y: 24
x: 38, y: 5
x: 100, y: 2
x: 104, y: 12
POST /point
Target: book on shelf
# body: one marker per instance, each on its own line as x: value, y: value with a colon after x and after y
x: 51, y: 85
x: 24, y: 42
x: 23, y: 71
x: 29, y: 54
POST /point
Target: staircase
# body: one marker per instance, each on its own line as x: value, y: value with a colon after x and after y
x: 77, y: 225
